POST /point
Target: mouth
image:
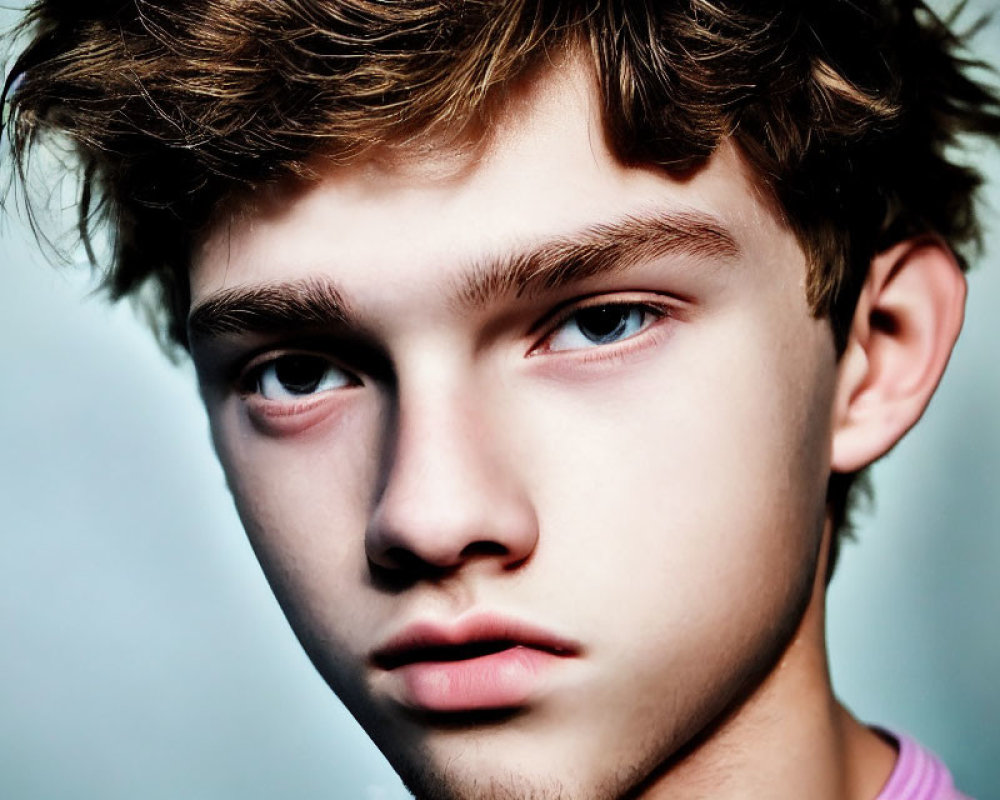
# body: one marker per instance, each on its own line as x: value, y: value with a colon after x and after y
x: 483, y: 663
x: 468, y: 651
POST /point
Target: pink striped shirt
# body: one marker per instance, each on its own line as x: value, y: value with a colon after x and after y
x: 918, y: 775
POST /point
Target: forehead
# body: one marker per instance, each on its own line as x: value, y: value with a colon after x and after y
x: 542, y: 169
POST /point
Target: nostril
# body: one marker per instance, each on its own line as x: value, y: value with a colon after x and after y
x: 404, y: 560
x: 398, y: 569
x: 484, y: 548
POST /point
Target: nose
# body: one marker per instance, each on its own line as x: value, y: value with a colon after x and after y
x: 451, y: 495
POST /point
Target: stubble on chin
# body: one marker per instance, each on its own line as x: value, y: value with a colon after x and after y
x: 431, y: 784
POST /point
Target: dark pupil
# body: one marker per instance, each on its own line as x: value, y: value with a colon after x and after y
x: 602, y: 323
x: 300, y: 374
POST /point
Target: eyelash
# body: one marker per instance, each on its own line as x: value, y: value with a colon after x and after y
x: 612, y: 351
x: 249, y: 377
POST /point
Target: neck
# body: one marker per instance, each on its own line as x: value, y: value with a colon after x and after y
x: 790, y: 738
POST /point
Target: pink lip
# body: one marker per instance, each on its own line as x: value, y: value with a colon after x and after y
x: 481, y: 662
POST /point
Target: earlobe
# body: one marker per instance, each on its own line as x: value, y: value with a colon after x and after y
x: 907, y: 320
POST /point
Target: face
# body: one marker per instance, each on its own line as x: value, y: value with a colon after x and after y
x: 531, y: 445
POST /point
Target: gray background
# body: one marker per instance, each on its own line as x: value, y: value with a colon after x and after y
x: 141, y: 653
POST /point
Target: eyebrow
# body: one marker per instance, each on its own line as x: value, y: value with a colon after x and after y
x: 557, y: 262
x: 600, y: 249
x: 270, y: 308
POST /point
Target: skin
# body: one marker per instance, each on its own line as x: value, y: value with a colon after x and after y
x: 658, y: 499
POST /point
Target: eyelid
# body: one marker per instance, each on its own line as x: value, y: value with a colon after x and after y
x: 247, y: 375
x: 662, y: 307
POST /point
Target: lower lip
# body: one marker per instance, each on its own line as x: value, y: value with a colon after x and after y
x: 506, y: 679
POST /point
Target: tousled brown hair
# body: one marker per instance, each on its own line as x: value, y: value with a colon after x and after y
x: 845, y: 110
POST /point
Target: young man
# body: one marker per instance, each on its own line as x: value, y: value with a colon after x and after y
x: 542, y: 344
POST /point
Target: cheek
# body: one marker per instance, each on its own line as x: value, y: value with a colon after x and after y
x: 693, y: 486
x: 304, y: 505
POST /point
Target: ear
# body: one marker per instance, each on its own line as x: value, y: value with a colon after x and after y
x: 908, y: 317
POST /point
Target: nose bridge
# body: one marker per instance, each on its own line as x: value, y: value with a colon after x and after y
x: 440, y: 441
x: 449, y: 493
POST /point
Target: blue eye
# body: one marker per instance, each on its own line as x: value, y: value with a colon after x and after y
x: 601, y: 325
x: 297, y: 375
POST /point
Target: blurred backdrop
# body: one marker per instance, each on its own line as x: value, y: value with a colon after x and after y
x: 141, y: 652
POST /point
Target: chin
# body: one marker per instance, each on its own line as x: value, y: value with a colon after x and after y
x: 496, y: 780
x: 511, y: 757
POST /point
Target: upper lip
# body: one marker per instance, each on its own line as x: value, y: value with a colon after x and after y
x: 468, y: 637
